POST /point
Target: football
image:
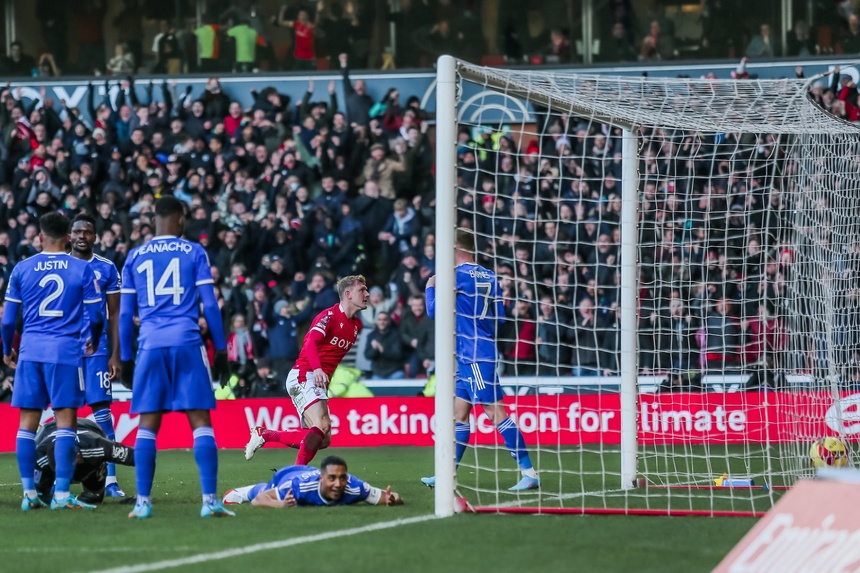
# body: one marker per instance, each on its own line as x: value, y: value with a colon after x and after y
x: 828, y: 451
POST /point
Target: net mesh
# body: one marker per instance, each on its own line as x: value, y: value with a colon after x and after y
x: 822, y: 290
x: 748, y: 246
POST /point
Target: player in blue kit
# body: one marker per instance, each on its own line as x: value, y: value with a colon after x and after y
x: 103, y: 366
x: 479, y: 311
x: 306, y: 485
x: 165, y: 280
x: 54, y: 291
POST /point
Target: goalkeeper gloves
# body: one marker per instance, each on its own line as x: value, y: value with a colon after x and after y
x: 222, y: 368
x: 126, y: 373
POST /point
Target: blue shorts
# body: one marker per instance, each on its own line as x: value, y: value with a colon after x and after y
x: 97, y: 379
x: 172, y: 379
x: 38, y: 384
x: 478, y: 383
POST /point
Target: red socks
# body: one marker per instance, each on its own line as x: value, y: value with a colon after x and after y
x: 289, y: 439
x: 308, y: 443
x: 309, y: 446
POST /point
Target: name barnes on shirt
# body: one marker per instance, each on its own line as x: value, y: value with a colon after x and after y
x: 480, y: 274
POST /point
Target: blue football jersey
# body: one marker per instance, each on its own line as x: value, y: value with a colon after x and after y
x: 107, y: 278
x: 304, y: 482
x: 51, y: 287
x: 480, y: 311
x: 164, y: 274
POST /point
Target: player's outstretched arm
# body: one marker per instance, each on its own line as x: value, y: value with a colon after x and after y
x: 113, y: 333
x: 7, y: 329
x: 269, y: 498
x: 213, y: 315
x: 97, y: 323
x: 374, y: 496
x: 390, y: 498
x: 116, y: 452
x: 127, y: 303
x: 430, y: 296
x: 313, y: 339
x: 216, y: 328
x: 92, y: 306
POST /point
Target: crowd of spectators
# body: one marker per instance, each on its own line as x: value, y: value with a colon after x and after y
x: 167, y: 37
x: 288, y: 196
x: 238, y: 36
x: 285, y: 196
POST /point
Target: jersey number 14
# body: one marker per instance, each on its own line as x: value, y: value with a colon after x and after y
x: 169, y: 276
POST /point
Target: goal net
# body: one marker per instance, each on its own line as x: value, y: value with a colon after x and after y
x: 678, y: 262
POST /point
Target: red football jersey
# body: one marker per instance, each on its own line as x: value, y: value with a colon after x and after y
x: 331, y: 336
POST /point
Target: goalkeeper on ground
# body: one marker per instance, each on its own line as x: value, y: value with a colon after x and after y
x: 479, y: 313
x: 94, y: 453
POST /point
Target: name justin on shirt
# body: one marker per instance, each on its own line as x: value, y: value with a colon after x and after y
x: 50, y: 265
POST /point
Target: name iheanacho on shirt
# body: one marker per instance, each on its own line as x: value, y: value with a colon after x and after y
x: 164, y: 247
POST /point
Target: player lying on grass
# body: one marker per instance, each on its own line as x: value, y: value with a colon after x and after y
x: 95, y: 452
x: 332, y: 334
x: 306, y: 485
x: 479, y: 312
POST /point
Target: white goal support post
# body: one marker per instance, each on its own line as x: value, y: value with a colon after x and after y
x: 679, y: 264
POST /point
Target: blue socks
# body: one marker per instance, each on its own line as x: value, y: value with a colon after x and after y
x: 515, y: 443
x: 105, y: 422
x: 461, y: 439
x: 144, y: 463
x: 25, y: 451
x: 206, y: 456
x: 205, y: 453
x: 65, y: 451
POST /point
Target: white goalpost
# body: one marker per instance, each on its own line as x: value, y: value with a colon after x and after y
x: 679, y: 262
x: 446, y: 98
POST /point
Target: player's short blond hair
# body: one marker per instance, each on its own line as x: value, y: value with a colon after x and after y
x: 465, y: 240
x: 348, y: 282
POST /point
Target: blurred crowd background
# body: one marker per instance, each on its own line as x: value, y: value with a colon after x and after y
x: 289, y: 193
x: 54, y: 37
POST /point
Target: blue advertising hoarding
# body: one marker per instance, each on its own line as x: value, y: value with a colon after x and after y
x: 418, y: 83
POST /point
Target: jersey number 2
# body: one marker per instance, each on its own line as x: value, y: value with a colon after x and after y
x: 61, y: 286
x: 170, y: 274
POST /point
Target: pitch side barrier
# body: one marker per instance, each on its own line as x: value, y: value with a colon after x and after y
x: 418, y: 83
x: 566, y: 420
x: 555, y: 385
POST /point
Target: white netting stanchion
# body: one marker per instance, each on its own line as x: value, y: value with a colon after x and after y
x: 677, y: 263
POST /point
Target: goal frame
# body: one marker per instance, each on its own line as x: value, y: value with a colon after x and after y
x: 776, y: 107
x: 446, y: 211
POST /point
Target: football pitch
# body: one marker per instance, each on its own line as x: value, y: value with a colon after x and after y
x: 356, y: 538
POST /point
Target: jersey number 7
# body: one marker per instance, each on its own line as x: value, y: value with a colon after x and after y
x: 484, y: 289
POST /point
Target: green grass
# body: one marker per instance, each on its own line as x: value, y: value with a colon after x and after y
x: 590, y: 478
x: 86, y: 541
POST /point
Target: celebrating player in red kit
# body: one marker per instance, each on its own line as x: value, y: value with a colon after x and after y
x: 332, y: 334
